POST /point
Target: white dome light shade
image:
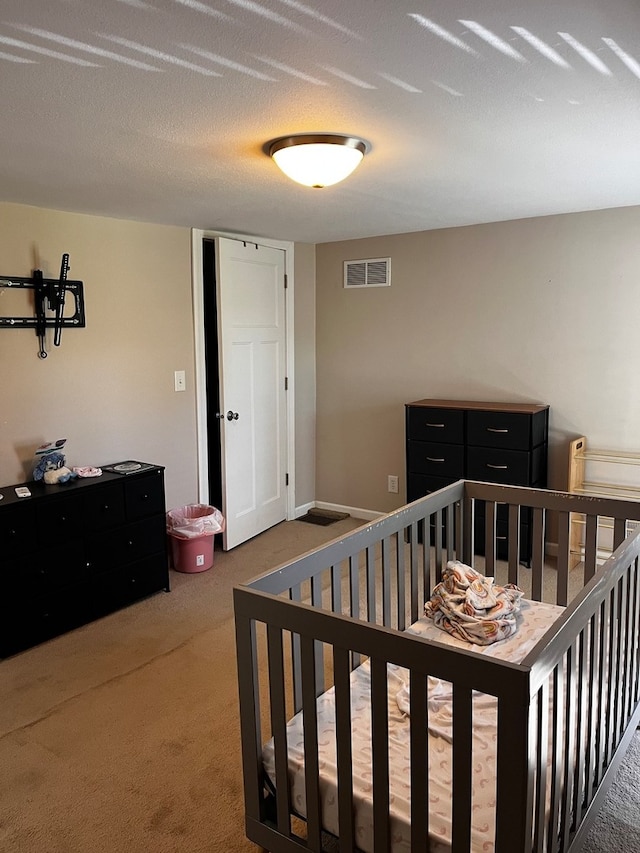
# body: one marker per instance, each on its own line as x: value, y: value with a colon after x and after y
x: 318, y: 159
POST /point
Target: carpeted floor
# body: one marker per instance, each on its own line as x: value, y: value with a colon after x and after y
x: 122, y: 736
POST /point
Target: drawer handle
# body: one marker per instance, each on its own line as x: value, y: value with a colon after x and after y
x: 432, y: 459
x: 436, y: 426
x: 493, y: 429
x: 499, y: 467
x: 501, y: 537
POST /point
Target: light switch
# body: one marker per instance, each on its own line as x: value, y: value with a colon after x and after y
x: 180, y: 383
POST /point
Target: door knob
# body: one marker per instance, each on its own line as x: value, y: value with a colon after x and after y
x: 232, y: 416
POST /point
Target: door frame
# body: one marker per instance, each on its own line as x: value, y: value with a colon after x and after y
x: 197, y: 287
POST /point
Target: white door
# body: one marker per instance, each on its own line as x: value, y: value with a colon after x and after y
x: 251, y: 333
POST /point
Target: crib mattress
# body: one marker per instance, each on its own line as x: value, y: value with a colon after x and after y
x: 534, y: 620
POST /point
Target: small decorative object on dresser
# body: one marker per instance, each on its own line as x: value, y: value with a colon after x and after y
x: 72, y: 553
x: 448, y: 440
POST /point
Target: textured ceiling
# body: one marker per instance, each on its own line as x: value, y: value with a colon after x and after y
x: 476, y: 110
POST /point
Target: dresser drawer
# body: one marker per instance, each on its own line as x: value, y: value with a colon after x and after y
x: 437, y: 425
x: 104, y: 507
x: 113, y: 589
x: 419, y: 485
x: 511, y: 467
x: 437, y: 460
x: 35, y: 573
x: 499, y: 429
x: 144, y: 496
x: 60, y: 518
x: 17, y: 531
x: 127, y: 543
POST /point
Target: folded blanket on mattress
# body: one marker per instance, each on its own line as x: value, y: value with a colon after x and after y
x: 470, y: 606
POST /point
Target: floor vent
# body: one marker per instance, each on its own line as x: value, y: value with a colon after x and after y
x: 374, y: 272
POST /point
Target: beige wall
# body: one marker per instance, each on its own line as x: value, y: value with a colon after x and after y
x: 540, y: 309
x: 108, y: 388
x: 305, y: 371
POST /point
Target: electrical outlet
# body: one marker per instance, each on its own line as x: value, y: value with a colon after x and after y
x: 392, y: 483
x: 179, y: 381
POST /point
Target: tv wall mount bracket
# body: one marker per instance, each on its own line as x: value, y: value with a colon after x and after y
x: 51, y: 311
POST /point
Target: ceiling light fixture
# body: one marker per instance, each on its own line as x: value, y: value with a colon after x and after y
x: 317, y: 159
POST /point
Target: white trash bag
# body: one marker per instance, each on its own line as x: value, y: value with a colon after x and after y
x: 193, y: 520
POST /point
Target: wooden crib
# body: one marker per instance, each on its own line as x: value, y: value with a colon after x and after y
x: 311, y: 631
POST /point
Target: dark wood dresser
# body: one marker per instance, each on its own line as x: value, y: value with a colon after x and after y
x: 449, y: 440
x: 71, y: 553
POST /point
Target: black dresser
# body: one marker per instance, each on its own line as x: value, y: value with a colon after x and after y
x: 449, y: 440
x: 74, y: 552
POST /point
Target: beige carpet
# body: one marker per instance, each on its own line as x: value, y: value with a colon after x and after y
x: 122, y: 736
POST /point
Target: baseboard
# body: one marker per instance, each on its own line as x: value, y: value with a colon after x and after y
x: 304, y: 509
x: 356, y: 512
x: 551, y: 548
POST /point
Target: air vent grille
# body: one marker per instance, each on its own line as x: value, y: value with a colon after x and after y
x: 373, y: 272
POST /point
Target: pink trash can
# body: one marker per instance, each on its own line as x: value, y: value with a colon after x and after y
x: 192, y: 532
x: 192, y: 555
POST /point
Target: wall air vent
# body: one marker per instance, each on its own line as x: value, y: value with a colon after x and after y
x: 374, y: 272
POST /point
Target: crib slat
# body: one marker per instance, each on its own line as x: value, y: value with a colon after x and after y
x: 400, y: 584
x: 619, y: 531
x: 316, y: 600
x: 468, y: 512
x: 490, y: 539
x: 380, y: 755
x: 413, y: 540
x: 627, y: 627
x: 426, y: 559
x: 354, y: 587
x: 310, y: 721
x: 343, y: 749
x: 354, y: 598
x: 514, y: 542
x: 590, y: 547
x: 610, y: 728
x: 451, y: 532
x: 336, y: 588
x: 542, y: 746
x: 635, y: 639
x: 621, y: 621
x: 514, y: 790
x: 419, y: 757
x: 537, y: 554
x: 592, y: 706
x: 295, y: 594
x: 251, y: 735
x: 461, y: 766
x: 557, y: 693
x: 371, y: 584
x: 459, y: 528
x: 569, y: 745
x: 438, y: 548
x: 579, y: 770
x: 386, y: 582
x: 279, y: 726
x: 562, y: 596
x: 601, y: 739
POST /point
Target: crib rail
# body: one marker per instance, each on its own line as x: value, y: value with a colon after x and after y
x: 306, y: 626
x: 588, y: 666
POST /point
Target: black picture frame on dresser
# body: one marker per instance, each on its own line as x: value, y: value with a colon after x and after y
x: 449, y: 440
x: 74, y: 552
